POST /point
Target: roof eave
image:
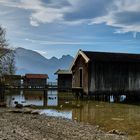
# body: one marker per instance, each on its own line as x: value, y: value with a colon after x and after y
x: 58, y: 72
x: 80, y: 52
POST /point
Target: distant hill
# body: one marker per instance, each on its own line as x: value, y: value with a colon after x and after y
x: 28, y: 61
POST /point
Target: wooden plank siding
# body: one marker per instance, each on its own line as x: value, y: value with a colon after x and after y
x: 64, y: 82
x: 80, y: 64
x: 35, y: 80
x: 114, y: 77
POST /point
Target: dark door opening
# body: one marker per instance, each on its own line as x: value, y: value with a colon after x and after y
x: 81, y: 77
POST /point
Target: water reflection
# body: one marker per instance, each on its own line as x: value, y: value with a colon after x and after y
x: 122, y: 98
x: 25, y: 98
x: 52, y: 98
x: 107, y: 115
x: 57, y: 113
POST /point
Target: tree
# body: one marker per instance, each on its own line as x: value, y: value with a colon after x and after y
x: 7, y: 61
x: 3, y: 41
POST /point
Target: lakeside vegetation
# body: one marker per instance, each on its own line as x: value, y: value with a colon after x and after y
x: 7, y: 62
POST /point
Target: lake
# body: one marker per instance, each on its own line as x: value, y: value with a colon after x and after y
x: 108, y: 116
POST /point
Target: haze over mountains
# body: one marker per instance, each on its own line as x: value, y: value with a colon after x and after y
x: 28, y: 61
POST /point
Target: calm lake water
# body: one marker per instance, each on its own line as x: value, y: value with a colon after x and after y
x: 108, y: 116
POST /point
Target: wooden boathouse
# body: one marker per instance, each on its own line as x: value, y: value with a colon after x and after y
x: 109, y: 73
x: 64, y: 80
x: 35, y: 80
x: 12, y: 80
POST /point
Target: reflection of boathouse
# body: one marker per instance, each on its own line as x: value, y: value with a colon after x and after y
x: 100, y: 72
x: 35, y: 80
x: 64, y: 80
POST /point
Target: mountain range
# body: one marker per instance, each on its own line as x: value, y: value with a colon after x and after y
x: 28, y: 61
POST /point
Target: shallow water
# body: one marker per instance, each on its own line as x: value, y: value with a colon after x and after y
x: 108, y: 116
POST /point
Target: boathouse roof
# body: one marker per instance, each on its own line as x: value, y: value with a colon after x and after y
x: 109, y: 56
x: 106, y: 57
x: 59, y: 71
x: 36, y: 76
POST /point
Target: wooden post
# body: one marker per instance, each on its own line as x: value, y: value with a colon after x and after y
x: 45, y: 94
x: 81, y: 95
x: 2, y: 97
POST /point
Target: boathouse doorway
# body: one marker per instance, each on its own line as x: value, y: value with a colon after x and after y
x: 81, y: 77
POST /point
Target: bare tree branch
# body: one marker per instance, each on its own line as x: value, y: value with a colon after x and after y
x: 7, y: 62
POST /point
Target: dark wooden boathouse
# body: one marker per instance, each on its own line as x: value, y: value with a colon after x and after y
x: 102, y: 72
x: 12, y: 80
x: 64, y: 80
x: 35, y: 80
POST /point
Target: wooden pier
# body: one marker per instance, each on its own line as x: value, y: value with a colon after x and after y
x: 28, y: 87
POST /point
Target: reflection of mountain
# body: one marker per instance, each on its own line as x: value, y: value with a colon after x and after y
x: 28, y: 61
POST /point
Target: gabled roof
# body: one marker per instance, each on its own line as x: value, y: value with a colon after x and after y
x: 106, y: 57
x: 109, y: 56
x: 36, y: 76
x: 59, y: 71
x: 80, y: 52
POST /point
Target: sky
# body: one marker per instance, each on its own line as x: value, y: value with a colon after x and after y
x: 58, y: 27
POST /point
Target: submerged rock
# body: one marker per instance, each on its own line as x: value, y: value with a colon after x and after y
x: 61, y: 106
x: 19, y: 106
x: 78, y: 105
x: 66, y: 102
x: 117, y: 132
x: 25, y: 111
x: 117, y: 119
x: 30, y: 106
x: 15, y: 111
x: 35, y: 112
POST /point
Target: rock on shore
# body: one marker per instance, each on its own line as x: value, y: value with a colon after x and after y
x: 22, y: 126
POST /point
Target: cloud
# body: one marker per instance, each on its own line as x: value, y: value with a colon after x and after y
x: 123, y: 15
x: 40, y: 12
x: 45, y: 16
x: 88, y: 9
x: 44, y: 42
x: 44, y: 53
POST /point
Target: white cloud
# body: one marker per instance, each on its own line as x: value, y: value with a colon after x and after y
x: 44, y: 42
x: 33, y: 22
x: 125, y: 17
x: 40, y: 12
x: 45, y: 16
x: 121, y: 14
x: 44, y: 53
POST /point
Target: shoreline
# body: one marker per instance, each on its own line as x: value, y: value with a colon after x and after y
x: 32, y: 126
